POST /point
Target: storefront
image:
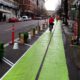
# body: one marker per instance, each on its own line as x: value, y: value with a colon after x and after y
x: 7, y: 10
x: 4, y: 14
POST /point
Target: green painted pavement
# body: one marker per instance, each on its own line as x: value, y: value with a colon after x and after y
x: 54, y: 67
x: 28, y: 66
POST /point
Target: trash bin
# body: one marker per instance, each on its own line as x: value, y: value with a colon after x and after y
x: 1, y: 51
x: 23, y: 37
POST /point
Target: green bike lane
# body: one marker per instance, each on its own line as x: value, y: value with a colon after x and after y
x: 28, y: 65
x: 54, y: 66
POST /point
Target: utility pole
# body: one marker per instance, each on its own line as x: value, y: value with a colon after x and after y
x: 65, y: 11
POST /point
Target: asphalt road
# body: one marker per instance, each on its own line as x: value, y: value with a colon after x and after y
x: 6, y: 29
x: 11, y: 56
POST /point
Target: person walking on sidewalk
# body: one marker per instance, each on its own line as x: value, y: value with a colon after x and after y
x: 51, y: 23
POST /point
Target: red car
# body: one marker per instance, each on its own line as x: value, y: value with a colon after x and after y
x: 13, y: 19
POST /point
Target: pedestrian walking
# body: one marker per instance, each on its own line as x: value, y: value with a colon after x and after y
x: 51, y: 23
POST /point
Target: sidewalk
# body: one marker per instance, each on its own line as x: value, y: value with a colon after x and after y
x: 72, y: 55
x: 11, y: 56
x: 47, y: 60
x: 75, y: 48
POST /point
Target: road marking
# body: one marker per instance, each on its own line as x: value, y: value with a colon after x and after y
x: 28, y: 45
x: 17, y: 61
x: 42, y: 63
x: 8, y: 61
x: 8, y: 29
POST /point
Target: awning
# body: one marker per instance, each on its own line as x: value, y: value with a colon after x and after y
x: 5, y: 11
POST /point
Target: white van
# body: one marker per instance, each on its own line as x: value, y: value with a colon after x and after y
x: 24, y: 18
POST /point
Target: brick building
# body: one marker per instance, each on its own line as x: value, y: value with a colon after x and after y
x: 29, y: 7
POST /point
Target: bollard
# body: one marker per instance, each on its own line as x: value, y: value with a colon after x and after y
x: 38, y: 28
x: 29, y: 35
x: 41, y: 27
x: 36, y: 32
x: 33, y: 32
x: 45, y: 26
x: 13, y: 35
x: 23, y: 37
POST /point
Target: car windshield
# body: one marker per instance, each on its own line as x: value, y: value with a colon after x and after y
x: 24, y: 17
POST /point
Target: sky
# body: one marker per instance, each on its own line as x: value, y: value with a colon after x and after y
x: 52, y: 4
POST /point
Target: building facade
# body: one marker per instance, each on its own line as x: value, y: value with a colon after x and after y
x: 8, y: 8
x: 29, y: 7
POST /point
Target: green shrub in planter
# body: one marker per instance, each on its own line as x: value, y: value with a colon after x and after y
x: 1, y: 51
x: 25, y: 37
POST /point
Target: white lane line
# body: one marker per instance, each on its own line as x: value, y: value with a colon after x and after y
x: 28, y: 45
x: 18, y: 60
x: 7, y: 44
x: 8, y: 29
x: 24, y: 44
x: 8, y: 62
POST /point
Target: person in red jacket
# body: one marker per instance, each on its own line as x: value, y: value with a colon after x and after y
x: 51, y: 23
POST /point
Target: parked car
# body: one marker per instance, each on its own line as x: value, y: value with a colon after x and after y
x: 25, y: 18
x: 13, y: 19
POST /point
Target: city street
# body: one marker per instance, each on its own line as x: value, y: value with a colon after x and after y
x: 39, y: 39
x: 12, y: 55
x: 6, y: 29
